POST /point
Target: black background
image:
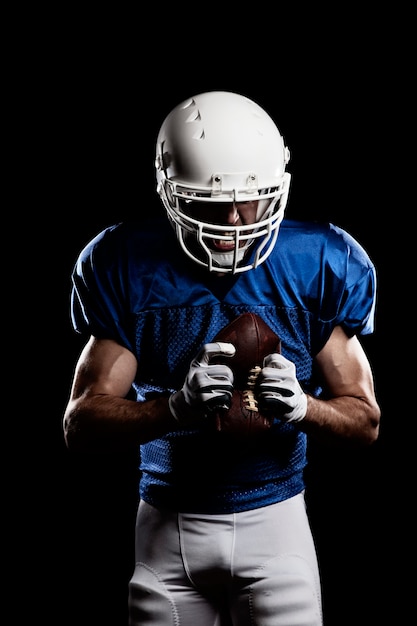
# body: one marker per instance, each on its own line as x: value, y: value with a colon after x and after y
x: 94, y: 93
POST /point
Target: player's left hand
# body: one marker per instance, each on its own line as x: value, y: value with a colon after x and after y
x: 278, y: 391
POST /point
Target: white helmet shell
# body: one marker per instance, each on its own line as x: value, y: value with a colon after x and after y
x: 222, y: 147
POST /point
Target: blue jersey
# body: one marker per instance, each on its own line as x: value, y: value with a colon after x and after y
x: 132, y: 283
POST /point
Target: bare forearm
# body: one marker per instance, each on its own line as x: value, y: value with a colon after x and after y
x: 344, y: 419
x: 103, y: 422
x: 108, y: 422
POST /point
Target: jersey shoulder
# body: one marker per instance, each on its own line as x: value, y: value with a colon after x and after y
x: 324, y: 240
x: 326, y: 270
x: 144, y: 239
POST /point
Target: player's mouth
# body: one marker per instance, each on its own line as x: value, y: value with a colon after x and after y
x: 226, y: 245
x: 223, y: 245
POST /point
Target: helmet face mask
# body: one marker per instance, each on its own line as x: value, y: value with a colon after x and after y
x: 220, y: 150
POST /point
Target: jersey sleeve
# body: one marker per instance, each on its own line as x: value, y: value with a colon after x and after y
x: 355, y: 275
x: 99, y: 290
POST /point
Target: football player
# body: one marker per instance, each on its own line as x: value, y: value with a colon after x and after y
x: 223, y: 535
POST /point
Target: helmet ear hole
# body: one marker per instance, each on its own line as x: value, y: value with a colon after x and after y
x: 169, y: 195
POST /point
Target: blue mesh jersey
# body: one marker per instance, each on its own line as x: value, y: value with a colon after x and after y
x: 132, y: 283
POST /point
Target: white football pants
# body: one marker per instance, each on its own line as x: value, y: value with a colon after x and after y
x: 256, y: 568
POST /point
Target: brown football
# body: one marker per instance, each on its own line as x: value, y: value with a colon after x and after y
x: 253, y: 340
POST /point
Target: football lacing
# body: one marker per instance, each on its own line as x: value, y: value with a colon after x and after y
x: 249, y: 401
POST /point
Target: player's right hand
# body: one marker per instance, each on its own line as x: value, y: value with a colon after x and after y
x: 208, y: 386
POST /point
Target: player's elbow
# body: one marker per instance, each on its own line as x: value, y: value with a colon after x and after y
x: 70, y: 432
x: 373, y: 419
x: 73, y: 431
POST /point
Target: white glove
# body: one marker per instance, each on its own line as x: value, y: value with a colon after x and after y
x: 207, y: 387
x: 278, y: 391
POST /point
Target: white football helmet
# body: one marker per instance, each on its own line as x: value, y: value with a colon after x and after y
x: 221, y: 147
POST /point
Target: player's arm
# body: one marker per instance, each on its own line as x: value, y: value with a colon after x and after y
x: 351, y: 411
x: 99, y: 414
